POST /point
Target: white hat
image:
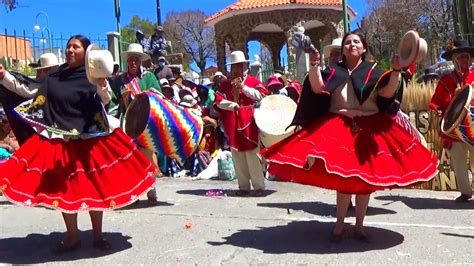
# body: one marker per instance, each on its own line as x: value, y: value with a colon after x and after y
x: 47, y: 60
x: 336, y: 43
x: 164, y: 82
x: 136, y: 50
x: 237, y: 57
x: 99, y: 63
x: 188, y: 101
x: 411, y: 49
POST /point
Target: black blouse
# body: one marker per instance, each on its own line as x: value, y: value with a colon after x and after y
x: 66, y: 105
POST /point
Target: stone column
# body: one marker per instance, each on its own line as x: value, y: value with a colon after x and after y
x: 114, y: 45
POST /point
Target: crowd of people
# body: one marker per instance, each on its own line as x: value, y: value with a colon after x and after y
x: 73, y: 155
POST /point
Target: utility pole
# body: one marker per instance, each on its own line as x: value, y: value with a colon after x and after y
x: 117, y: 17
x: 344, y: 13
x: 158, y: 12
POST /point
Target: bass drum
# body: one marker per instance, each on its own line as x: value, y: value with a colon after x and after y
x: 159, y: 125
x: 273, y: 114
x: 458, y: 120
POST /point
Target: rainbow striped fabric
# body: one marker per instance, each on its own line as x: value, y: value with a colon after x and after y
x: 172, y: 129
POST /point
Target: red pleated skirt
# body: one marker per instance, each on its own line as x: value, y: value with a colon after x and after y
x: 100, y: 173
x: 332, y: 154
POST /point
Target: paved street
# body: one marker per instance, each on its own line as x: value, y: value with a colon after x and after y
x: 290, y: 225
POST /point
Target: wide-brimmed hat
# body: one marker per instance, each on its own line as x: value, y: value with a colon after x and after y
x: 458, y: 46
x: 45, y: 60
x: 188, y: 101
x: 164, y: 82
x: 336, y: 44
x: 99, y: 63
x: 135, y: 49
x: 217, y: 75
x: 294, y: 85
x: 237, y: 57
x: 411, y: 49
x: 273, y: 80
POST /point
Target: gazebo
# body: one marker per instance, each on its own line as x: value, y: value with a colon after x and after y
x: 271, y: 22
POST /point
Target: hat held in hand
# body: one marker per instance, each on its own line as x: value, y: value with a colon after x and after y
x: 99, y: 63
x: 411, y: 49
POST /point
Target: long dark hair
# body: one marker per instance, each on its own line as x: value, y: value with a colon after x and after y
x: 83, y: 39
x: 362, y: 39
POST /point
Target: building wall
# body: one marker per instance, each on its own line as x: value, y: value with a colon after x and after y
x: 16, y: 48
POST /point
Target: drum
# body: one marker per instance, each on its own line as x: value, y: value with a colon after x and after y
x: 159, y: 125
x: 273, y: 114
x: 458, y: 119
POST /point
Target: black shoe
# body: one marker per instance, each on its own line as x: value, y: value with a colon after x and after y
x: 259, y: 193
x: 102, y: 244
x: 242, y: 193
x: 62, y: 247
x: 463, y: 198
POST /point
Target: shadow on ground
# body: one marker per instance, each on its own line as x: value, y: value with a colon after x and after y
x: 458, y: 235
x: 38, y: 248
x: 322, y: 209
x: 227, y: 192
x: 428, y: 203
x: 144, y: 204
x: 309, y: 237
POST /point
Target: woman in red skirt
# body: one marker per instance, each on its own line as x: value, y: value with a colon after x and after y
x: 347, y: 142
x: 74, y: 163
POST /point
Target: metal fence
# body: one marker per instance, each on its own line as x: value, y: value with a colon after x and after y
x: 22, y: 48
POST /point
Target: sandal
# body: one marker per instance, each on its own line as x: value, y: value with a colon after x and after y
x: 102, y: 244
x: 62, y: 247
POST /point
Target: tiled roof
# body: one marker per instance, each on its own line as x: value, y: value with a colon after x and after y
x: 256, y: 4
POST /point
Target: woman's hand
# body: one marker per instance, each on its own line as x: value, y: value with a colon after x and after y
x: 2, y: 72
x: 102, y: 82
x: 396, y: 63
x: 314, y: 58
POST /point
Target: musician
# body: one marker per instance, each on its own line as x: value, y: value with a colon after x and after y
x: 234, y: 102
x: 448, y: 86
x: 333, y: 52
x: 126, y: 86
x: 353, y: 147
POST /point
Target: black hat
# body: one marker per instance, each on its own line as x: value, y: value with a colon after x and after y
x: 458, y: 46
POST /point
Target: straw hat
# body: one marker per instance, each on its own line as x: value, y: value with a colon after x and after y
x: 45, y: 60
x: 411, y: 49
x: 136, y: 50
x: 458, y: 46
x: 237, y: 57
x: 336, y: 44
x: 99, y: 63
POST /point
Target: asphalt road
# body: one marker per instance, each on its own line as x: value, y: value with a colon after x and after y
x: 290, y: 225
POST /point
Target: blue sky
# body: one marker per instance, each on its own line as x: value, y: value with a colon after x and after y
x: 96, y: 17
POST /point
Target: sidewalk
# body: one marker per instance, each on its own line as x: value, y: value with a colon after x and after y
x: 290, y: 225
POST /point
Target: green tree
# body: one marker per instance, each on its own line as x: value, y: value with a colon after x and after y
x: 136, y: 23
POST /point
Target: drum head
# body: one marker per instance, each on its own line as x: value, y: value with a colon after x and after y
x: 275, y: 114
x: 453, y: 114
x: 136, y: 117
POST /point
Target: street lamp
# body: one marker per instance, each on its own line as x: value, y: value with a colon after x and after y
x: 38, y: 28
